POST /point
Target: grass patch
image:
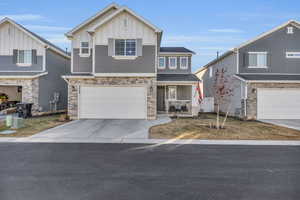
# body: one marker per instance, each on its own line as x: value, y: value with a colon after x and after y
x: 188, y: 128
x: 34, y: 125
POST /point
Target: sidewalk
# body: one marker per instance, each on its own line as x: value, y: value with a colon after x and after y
x: 149, y: 141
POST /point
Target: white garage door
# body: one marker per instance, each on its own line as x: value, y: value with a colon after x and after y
x: 112, y: 103
x: 278, y: 103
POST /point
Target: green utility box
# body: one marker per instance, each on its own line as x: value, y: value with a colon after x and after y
x: 17, y: 123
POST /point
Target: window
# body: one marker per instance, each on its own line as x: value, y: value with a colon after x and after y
x: 162, y: 63
x: 257, y: 60
x: 24, y: 57
x: 172, y: 62
x: 172, y: 92
x: 210, y: 72
x: 292, y: 54
x: 84, y: 49
x: 184, y: 62
x: 290, y: 30
x: 125, y: 47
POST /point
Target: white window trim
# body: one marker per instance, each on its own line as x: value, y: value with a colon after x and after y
x: 187, y: 63
x: 258, y: 67
x: 290, y: 30
x: 85, y: 54
x: 173, y: 67
x: 164, y: 66
x: 24, y: 64
x: 124, y: 57
x: 287, y: 56
x: 170, y: 95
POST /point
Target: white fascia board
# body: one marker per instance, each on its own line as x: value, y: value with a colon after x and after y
x: 177, y: 82
x: 23, y: 76
x: 125, y: 74
x: 124, y: 8
x: 112, y: 5
x: 77, y: 77
x: 267, y: 81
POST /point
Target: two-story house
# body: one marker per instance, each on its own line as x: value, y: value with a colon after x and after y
x: 119, y: 70
x: 31, y: 68
x: 263, y: 73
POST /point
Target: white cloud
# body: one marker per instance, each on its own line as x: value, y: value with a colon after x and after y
x: 226, y: 30
x: 46, y: 28
x: 23, y: 17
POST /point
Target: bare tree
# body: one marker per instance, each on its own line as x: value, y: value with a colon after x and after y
x: 223, y: 93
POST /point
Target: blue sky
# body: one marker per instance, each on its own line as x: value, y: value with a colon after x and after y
x: 202, y: 26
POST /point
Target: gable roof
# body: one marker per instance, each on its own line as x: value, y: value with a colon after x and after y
x: 175, y: 50
x: 36, y: 37
x: 89, y: 20
x: 122, y: 9
x: 229, y: 52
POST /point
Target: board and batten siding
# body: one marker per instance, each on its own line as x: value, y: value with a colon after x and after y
x: 134, y: 29
x: 11, y: 37
x: 83, y: 35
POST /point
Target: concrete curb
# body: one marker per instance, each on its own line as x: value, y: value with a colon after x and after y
x: 151, y: 141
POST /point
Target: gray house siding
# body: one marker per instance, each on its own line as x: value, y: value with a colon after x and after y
x: 276, y: 44
x: 56, y: 66
x: 232, y: 103
x: 7, y: 64
x: 82, y: 64
x: 184, y: 92
x: 107, y: 64
x: 167, y: 70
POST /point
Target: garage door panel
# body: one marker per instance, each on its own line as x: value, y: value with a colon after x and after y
x: 113, y: 102
x: 278, y: 103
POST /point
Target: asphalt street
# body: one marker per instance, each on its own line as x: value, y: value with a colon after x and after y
x: 42, y: 171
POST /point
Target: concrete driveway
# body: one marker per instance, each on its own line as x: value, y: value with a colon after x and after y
x: 102, y: 129
x: 289, y: 123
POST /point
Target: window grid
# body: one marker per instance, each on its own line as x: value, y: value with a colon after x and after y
x: 172, y: 62
x: 24, y: 57
x: 125, y: 47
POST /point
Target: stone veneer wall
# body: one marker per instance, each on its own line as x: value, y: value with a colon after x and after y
x: 252, y: 96
x: 30, y: 90
x: 75, y: 83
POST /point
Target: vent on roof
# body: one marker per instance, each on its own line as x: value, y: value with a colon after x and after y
x: 290, y: 30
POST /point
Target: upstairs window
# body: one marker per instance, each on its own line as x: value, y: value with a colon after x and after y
x: 125, y: 47
x: 84, y: 49
x: 24, y: 57
x: 292, y: 54
x: 257, y: 59
x: 172, y: 62
x: 184, y: 62
x: 161, y: 63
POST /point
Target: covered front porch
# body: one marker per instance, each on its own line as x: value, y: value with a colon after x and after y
x: 174, y: 100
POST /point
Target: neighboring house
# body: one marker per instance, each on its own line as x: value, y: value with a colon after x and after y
x: 264, y: 74
x: 31, y: 68
x: 119, y: 70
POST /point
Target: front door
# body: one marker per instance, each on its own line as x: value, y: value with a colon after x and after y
x: 161, y: 98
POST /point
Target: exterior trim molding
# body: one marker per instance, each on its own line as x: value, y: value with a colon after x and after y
x: 23, y: 76
x: 267, y: 81
x: 177, y: 82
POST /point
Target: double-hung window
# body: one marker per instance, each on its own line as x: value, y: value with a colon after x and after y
x: 257, y: 59
x: 172, y: 92
x: 183, y: 62
x: 24, y: 57
x: 125, y: 47
x: 172, y: 62
x: 161, y: 62
x: 84, y: 49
